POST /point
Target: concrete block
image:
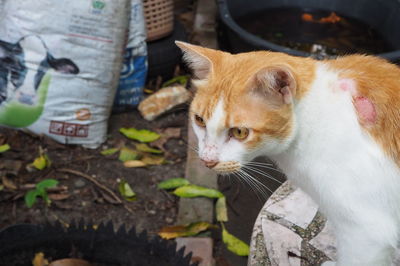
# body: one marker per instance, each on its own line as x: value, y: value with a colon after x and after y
x: 201, y: 248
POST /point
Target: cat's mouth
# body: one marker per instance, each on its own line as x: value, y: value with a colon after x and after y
x: 227, y: 167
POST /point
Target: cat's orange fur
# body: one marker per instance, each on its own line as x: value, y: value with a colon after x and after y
x: 232, y: 75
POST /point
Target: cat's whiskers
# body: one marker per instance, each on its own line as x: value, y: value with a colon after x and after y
x: 263, y: 165
x: 258, y: 171
x: 248, y: 183
x: 253, y: 182
x: 196, y: 149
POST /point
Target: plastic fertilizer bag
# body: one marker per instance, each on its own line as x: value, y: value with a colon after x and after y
x: 59, y: 66
x: 134, y: 70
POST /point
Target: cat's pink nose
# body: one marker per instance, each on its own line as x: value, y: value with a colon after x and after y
x: 210, y: 164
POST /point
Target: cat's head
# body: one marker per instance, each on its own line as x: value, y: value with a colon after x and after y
x: 243, y: 106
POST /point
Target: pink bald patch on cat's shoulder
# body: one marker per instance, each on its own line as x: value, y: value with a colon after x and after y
x: 348, y: 85
x: 364, y: 106
x: 365, y: 109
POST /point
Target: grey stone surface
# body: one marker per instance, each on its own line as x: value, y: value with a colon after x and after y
x: 281, y: 240
x: 325, y: 241
x: 201, y: 248
x: 297, y: 208
x: 280, y: 228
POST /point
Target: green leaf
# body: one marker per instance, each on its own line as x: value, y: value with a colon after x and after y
x: 146, y: 148
x: 109, y: 151
x: 221, y: 212
x: 178, y: 79
x: 170, y: 232
x: 127, y: 154
x: 142, y: 135
x: 30, y: 198
x: 46, y: 183
x: 173, y: 183
x: 191, y: 191
x: 4, y: 148
x: 126, y: 191
x: 234, y: 244
x: 1, y: 187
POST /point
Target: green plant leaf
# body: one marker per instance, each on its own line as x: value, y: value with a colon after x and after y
x: 142, y: 135
x: 170, y: 232
x: 221, y: 212
x: 4, y: 148
x: 178, y: 79
x: 1, y: 187
x: 126, y: 191
x: 127, y: 154
x: 146, y: 148
x: 109, y: 151
x: 30, y: 198
x: 46, y: 183
x: 191, y: 191
x: 173, y: 183
x: 234, y: 244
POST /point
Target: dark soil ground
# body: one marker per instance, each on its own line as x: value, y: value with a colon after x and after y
x: 82, y: 198
x: 79, y: 198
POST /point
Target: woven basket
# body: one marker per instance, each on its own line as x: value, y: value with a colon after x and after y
x: 159, y: 18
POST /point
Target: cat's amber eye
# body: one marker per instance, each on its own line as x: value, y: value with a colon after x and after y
x: 199, y: 121
x: 239, y: 133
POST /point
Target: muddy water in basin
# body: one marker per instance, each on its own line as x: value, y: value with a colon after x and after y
x: 321, y: 33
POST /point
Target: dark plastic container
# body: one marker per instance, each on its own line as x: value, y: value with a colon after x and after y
x: 383, y: 15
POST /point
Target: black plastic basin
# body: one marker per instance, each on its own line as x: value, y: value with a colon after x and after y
x: 382, y: 15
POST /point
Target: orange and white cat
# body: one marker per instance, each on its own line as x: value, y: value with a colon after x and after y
x: 332, y: 126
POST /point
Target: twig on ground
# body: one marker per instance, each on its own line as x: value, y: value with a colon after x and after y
x: 94, y: 181
x: 51, y: 189
x: 169, y: 196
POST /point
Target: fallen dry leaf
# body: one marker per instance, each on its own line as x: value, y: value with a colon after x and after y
x: 143, y: 147
x: 167, y: 134
x: 109, y: 151
x: 134, y: 163
x: 70, y: 262
x: 127, y: 154
x: 59, y: 196
x: 221, y: 211
x: 8, y: 183
x: 39, y: 260
x: 234, y: 244
x: 153, y: 160
x: 173, y: 183
x: 126, y: 191
x: 40, y: 162
x: 191, y: 191
x: 4, y: 148
x: 170, y: 232
x: 142, y: 135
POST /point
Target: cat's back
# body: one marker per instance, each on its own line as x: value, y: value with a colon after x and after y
x: 377, y: 89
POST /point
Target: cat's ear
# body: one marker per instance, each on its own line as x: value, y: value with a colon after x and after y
x: 276, y: 83
x: 197, y: 57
